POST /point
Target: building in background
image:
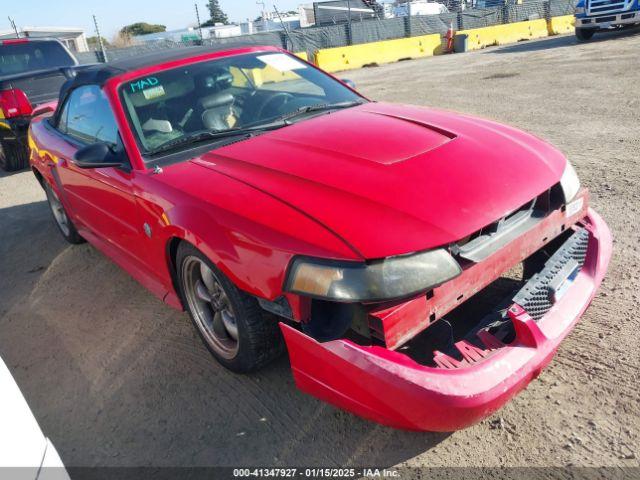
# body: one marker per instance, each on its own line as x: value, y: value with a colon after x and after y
x: 418, y: 7
x: 342, y: 11
x: 271, y: 22
x: 307, y: 15
x: 181, y: 35
x: 224, y: 31
x: 73, y: 38
x: 190, y: 34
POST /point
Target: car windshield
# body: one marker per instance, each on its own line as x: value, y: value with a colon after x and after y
x: 225, y: 97
x: 29, y: 56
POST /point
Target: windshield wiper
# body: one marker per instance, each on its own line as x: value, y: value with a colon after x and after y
x: 320, y: 107
x: 280, y: 122
x: 207, y: 135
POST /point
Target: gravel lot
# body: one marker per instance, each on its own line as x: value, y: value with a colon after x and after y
x: 116, y: 378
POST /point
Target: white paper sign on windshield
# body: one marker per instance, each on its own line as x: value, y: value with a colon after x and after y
x: 282, y: 62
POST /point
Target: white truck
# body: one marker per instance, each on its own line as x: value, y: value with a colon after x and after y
x: 410, y: 9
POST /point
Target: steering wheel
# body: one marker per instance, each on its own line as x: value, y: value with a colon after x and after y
x: 274, y: 102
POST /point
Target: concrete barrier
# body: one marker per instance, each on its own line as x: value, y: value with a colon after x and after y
x: 388, y: 51
x: 564, y: 24
x: 506, y: 33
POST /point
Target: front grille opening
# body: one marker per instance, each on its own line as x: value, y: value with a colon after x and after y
x: 541, y: 206
x: 487, y: 309
x: 479, y: 311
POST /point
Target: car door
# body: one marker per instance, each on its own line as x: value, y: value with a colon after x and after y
x: 102, y: 200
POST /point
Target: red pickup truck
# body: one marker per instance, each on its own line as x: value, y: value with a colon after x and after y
x: 31, y: 74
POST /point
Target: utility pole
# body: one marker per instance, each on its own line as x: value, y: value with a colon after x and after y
x: 199, y: 24
x: 284, y: 27
x: 102, y: 50
x: 13, y: 25
x: 349, y: 20
x: 262, y: 12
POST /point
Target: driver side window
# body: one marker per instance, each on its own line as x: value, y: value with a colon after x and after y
x: 87, y: 117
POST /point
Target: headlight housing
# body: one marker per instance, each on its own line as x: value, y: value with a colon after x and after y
x: 579, y: 10
x: 390, y: 278
x: 570, y: 183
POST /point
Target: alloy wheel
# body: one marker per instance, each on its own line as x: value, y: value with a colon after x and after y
x: 58, y: 212
x: 210, y: 307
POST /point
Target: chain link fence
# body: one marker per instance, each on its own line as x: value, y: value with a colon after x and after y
x: 311, y: 39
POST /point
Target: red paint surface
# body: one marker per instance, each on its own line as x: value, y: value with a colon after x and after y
x: 362, y: 183
x: 390, y: 388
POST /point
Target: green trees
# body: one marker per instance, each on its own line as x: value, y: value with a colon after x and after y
x: 217, y: 15
x: 141, y: 28
x: 94, y: 43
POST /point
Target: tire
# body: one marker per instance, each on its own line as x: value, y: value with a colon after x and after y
x: 585, y: 34
x: 233, y: 327
x: 13, y: 157
x: 60, y: 217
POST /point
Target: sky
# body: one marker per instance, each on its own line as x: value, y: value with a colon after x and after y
x: 114, y: 14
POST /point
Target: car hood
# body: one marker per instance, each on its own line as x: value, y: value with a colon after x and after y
x: 392, y: 179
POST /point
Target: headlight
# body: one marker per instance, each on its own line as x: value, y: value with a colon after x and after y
x: 393, y: 277
x: 570, y: 183
x: 579, y: 10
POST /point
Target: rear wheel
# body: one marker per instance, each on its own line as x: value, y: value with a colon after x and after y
x: 64, y: 223
x: 585, y: 34
x: 230, y: 322
x: 13, y: 157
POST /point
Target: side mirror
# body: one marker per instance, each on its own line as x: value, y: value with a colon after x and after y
x: 97, y: 155
x: 43, y: 110
x: 349, y: 83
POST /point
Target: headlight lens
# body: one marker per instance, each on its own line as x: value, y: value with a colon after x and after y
x: 570, y: 183
x: 579, y: 10
x: 393, y: 277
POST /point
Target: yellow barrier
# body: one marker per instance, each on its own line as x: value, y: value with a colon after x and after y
x: 388, y: 51
x: 503, y: 34
x: 264, y: 75
x: 564, y: 24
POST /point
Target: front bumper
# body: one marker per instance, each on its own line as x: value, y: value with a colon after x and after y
x: 608, y: 20
x: 388, y: 387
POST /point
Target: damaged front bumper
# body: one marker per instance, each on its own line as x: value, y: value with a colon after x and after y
x: 389, y: 387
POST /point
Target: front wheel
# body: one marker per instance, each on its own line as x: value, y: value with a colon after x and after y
x: 585, y: 34
x: 230, y: 322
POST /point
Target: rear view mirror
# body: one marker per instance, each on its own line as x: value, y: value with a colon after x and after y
x: 349, y: 83
x: 97, y: 155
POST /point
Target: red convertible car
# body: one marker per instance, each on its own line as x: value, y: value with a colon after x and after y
x: 420, y: 267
